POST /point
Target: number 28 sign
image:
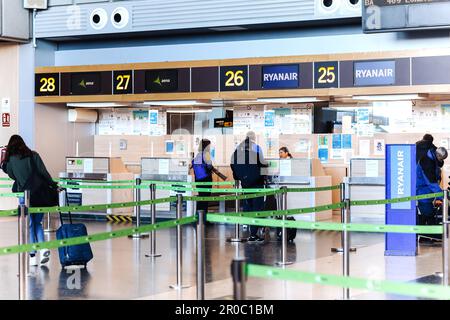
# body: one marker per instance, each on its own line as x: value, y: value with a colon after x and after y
x: 46, y: 84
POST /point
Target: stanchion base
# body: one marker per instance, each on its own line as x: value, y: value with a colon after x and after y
x: 342, y: 250
x: 155, y: 255
x: 286, y: 263
x: 177, y: 287
x: 237, y: 240
x: 138, y: 236
x: 49, y: 230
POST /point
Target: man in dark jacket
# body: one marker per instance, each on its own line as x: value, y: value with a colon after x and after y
x: 422, y: 146
x: 246, y: 163
x: 428, y: 173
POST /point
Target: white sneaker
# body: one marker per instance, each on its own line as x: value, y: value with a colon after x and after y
x: 33, y: 261
x: 45, y: 255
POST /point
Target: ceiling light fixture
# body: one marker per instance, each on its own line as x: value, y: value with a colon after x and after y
x: 289, y: 100
x: 175, y: 103
x: 96, y: 105
x: 390, y: 97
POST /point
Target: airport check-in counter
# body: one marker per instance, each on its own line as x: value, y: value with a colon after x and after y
x: 367, y: 182
x: 97, y: 168
x: 301, y: 173
x: 167, y: 169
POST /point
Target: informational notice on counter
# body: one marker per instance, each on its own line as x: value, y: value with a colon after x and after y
x: 323, y: 155
x: 372, y: 168
x: 379, y: 147
x: 364, y: 148
x: 163, y: 167
x: 88, y: 166
x: 347, y: 141
x: 269, y: 118
x: 169, y: 146
x: 285, y: 168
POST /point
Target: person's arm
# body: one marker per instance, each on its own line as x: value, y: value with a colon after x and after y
x: 262, y: 162
x: 433, y: 185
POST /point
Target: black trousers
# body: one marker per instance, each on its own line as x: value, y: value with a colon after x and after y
x: 203, y: 205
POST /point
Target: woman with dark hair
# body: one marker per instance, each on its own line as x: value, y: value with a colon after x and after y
x: 23, y: 165
x: 284, y: 153
x: 203, y: 170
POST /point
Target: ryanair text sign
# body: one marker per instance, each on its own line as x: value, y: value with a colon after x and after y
x: 374, y: 73
x: 280, y: 76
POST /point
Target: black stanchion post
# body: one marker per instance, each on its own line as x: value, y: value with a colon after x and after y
x: 153, y: 253
x: 445, y: 240
x: 346, y: 247
x: 284, y: 239
x: 200, y: 255
x: 137, y: 210
x: 239, y: 278
x: 237, y: 237
x: 343, y: 190
x: 179, y: 284
x: 23, y: 239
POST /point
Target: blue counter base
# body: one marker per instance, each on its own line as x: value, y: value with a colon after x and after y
x: 400, y: 253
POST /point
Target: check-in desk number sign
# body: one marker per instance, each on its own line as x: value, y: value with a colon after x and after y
x: 234, y: 78
x: 326, y: 74
x: 47, y: 84
x: 123, y: 82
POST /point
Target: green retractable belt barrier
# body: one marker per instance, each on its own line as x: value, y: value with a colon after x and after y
x: 96, y: 237
x: 386, y: 286
x: 12, y: 194
x: 329, y: 226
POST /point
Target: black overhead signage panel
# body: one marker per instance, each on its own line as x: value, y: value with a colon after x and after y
x: 159, y: 81
x: 86, y: 83
x: 234, y: 78
x: 123, y: 82
x: 326, y: 74
x: 46, y: 84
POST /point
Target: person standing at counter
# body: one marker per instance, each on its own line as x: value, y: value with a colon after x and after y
x: 28, y: 171
x: 428, y: 173
x: 203, y: 170
x: 246, y: 163
x: 284, y: 153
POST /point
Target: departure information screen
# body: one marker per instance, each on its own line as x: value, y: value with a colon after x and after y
x: 397, y: 15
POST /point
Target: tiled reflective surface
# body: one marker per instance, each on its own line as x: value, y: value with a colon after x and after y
x: 120, y: 269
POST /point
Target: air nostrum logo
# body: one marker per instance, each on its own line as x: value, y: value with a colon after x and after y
x: 160, y: 81
x: 85, y: 84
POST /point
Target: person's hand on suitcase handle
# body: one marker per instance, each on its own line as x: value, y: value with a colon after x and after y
x: 437, y: 202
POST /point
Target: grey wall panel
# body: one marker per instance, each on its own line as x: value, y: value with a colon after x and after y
x: 14, y: 21
x: 160, y: 15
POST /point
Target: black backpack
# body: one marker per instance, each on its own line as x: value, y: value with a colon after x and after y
x: 43, y: 193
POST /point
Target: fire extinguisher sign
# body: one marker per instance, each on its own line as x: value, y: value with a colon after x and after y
x: 6, y: 120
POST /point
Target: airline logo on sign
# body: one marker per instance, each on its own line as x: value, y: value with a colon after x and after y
x: 161, y: 80
x: 374, y: 73
x: 281, y: 76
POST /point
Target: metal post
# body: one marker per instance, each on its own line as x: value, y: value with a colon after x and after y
x: 237, y: 237
x: 23, y: 256
x: 445, y: 240
x: 284, y: 239
x: 179, y: 284
x: 137, y: 210
x: 239, y: 279
x: 346, y: 247
x: 49, y: 225
x: 342, y: 190
x: 153, y: 253
x: 200, y: 256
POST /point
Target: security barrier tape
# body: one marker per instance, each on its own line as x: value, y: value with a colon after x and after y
x: 229, y: 198
x: 396, y: 200
x: 12, y: 194
x: 101, y: 206
x: 330, y: 226
x: 96, y: 237
x: 386, y: 286
x: 6, y: 185
x: 8, y: 213
x: 264, y: 214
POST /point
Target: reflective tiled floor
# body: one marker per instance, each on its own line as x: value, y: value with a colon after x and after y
x: 120, y: 269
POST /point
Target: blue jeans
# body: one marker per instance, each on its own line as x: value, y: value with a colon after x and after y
x: 256, y: 204
x: 36, y: 230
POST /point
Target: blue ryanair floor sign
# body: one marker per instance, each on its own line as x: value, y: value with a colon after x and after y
x: 400, y: 182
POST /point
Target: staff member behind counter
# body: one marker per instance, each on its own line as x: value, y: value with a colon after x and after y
x: 284, y: 153
x: 203, y: 170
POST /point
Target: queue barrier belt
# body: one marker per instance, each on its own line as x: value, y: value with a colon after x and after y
x: 432, y: 291
x: 96, y: 237
x: 11, y: 194
x: 328, y: 226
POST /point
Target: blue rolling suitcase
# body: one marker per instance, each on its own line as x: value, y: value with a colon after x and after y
x: 73, y: 255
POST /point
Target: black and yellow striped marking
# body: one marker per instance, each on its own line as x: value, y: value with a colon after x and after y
x: 119, y: 218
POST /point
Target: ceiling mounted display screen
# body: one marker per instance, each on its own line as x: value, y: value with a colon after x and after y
x: 395, y: 15
x: 158, y: 81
